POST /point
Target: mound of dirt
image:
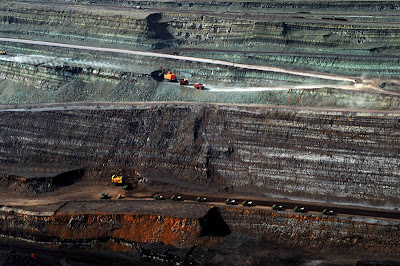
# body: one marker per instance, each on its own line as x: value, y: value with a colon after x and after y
x: 39, y: 185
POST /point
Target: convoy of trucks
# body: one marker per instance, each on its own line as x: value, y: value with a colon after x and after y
x: 171, y: 77
x: 121, y: 180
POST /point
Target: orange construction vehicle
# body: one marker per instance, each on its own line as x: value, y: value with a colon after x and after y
x: 198, y: 86
x: 170, y: 76
x: 117, y: 180
x: 184, y: 81
x: 2, y: 53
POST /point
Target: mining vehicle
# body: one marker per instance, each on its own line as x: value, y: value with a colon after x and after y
x: 277, y: 207
x: 176, y: 198
x: 3, y: 53
x: 170, y: 76
x: 299, y: 209
x: 117, y: 180
x: 104, y: 196
x: 184, y: 81
x: 158, y: 197
x: 120, y: 196
x: 198, y: 86
x: 230, y: 202
x: 201, y: 199
x: 327, y: 212
x: 247, y: 203
x: 358, y: 80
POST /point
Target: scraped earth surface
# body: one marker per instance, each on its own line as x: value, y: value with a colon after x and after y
x: 300, y: 108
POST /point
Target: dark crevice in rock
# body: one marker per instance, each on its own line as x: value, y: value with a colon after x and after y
x: 158, y: 30
x: 68, y: 178
x: 212, y: 224
x: 198, y: 124
x: 157, y: 75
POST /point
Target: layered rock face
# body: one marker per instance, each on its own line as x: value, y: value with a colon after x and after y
x: 62, y: 23
x: 275, y: 34
x: 342, y: 234
x: 134, y: 222
x: 333, y: 156
x: 126, y: 226
x: 45, y: 77
x: 198, y: 26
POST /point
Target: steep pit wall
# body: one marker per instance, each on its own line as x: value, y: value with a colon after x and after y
x: 129, y: 221
x: 263, y: 7
x: 200, y: 28
x: 79, y: 25
x: 369, y: 65
x: 126, y: 226
x: 333, y: 156
x: 315, y: 232
x: 279, y: 34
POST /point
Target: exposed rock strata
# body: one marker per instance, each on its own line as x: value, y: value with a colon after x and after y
x: 62, y: 79
x: 301, y: 38
x: 128, y: 225
x: 173, y: 27
x: 137, y: 222
x: 329, y: 156
x: 342, y: 234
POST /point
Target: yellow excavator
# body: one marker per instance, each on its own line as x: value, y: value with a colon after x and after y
x: 117, y: 180
x: 170, y: 76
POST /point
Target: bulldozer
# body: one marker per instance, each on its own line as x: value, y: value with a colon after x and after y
x: 117, y: 180
x: 170, y: 76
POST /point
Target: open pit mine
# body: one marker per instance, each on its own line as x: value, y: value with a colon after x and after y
x: 225, y: 132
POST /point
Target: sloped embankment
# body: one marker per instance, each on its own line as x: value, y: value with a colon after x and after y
x: 30, y: 79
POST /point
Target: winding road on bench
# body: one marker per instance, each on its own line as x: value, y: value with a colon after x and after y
x: 364, y: 85
x: 187, y: 58
x: 92, y: 193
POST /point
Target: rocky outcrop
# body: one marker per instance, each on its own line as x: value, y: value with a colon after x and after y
x: 333, y: 156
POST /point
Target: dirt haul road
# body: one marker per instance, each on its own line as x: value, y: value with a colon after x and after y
x: 187, y: 58
x: 92, y: 194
